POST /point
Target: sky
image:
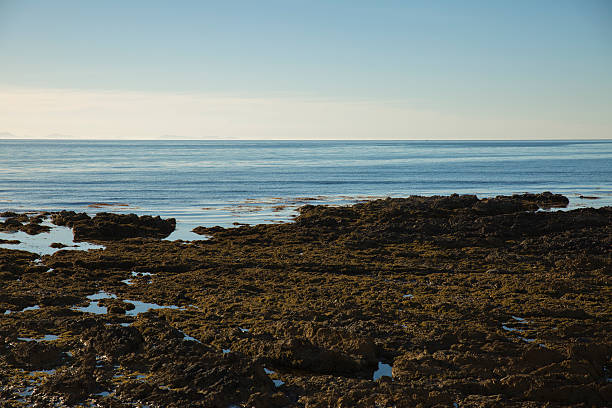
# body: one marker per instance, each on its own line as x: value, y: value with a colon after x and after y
x: 313, y: 69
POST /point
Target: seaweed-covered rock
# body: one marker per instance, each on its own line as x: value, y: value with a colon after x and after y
x: 418, y: 301
x: 111, y: 227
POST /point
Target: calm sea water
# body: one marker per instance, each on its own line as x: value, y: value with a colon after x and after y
x: 221, y: 182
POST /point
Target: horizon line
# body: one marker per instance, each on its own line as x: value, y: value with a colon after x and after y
x: 70, y: 139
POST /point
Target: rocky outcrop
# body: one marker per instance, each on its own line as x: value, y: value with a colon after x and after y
x: 420, y: 301
x: 113, y: 227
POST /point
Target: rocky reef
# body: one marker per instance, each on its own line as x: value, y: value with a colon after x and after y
x: 407, y: 302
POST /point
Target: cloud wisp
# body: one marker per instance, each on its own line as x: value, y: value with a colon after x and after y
x: 92, y: 114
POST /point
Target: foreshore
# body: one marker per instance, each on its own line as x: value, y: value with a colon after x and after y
x: 420, y: 301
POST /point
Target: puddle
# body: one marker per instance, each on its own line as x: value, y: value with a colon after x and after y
x: 43, y: 372
x: 101, y: 295
x: 384, y: 370
x: 48, y: 337
x: 134, y: 279
x: 225, y: 351
x: 40, y: 243
x: 94, y: 306
x: 244, y: 330
x: 277, y: 382
x: 526, y: 340
x: 129, y: 375
x: 125, y: 324
x: 183, y: 232
x: 187, y: 337
x: 139, y: 307
x: 520, y: 320
x: 27, y: 392
x: 142, y: 307
x: 408, y: 296
x: 103, y: 394
x: 22, y: 310
x: 510, y: 329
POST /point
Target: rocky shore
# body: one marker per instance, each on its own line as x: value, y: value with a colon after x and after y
x: 412, y: 302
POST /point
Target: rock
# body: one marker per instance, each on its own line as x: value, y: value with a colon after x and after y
x: 73, y: 384
x: 58, y: 245
x: 318, y: 304
x: 34, y: 355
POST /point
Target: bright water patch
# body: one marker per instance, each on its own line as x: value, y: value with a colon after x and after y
x: 22, y: 310
x: 48, y: 337
x: 520, y: 319
x: 132, y: 280
x: 101, y: 295
x: 384, y: 370
x: 43, y: 372
x: 40, y: 243
x: 94, y: 306
x: 27, y: 392
x: 277, y: 382
x: 139, y: 307
x: 187, y: 337
x: 183, y: 232
x: 142, y: 307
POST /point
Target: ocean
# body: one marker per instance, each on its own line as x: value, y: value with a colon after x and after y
x: 226, y: 182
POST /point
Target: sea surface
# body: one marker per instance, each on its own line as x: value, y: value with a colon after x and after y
x: 227, y: 182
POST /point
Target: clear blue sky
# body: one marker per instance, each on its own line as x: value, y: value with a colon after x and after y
x: 548, y: 63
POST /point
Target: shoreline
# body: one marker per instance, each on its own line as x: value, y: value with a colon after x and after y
x: 396, y: 302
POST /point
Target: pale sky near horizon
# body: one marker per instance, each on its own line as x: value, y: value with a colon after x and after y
x: 306, y: 69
